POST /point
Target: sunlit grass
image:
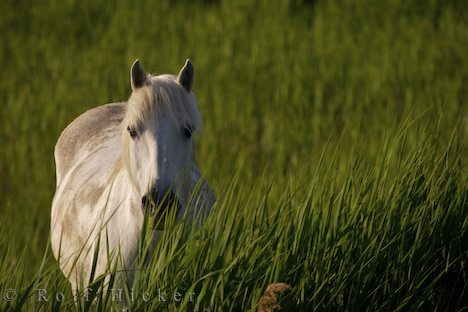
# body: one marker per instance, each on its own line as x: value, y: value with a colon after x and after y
x: 375, y: 240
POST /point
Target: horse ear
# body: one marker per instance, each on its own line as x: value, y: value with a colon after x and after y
x: 186, y: 75
x: 138, y: 75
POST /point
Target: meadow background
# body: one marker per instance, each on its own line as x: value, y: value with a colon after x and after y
x: 335, y: 139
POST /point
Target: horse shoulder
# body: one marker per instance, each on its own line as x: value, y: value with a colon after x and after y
x: 87, y: 130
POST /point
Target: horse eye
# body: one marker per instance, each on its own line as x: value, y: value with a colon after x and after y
x: 132, y: 131
x: 188, y: 131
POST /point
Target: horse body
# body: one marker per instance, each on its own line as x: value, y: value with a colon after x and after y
x: 85, y: 154
x: 114, y: 156
x: 86, y: 133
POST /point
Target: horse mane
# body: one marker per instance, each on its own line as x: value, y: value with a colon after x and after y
x: 163, y: 95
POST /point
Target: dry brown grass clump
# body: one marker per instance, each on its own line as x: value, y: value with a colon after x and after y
x: 269, y: 301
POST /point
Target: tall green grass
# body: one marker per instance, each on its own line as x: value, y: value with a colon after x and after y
x: 335, y: 139
x: 391, y: 235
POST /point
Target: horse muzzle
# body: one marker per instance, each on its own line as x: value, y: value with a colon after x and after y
x: 158, y: 205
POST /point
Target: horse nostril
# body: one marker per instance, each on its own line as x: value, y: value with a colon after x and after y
x: 160, y: 202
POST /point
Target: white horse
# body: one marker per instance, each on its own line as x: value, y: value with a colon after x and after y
x: 115, y: 161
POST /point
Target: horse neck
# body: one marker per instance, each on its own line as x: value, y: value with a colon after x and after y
x: 119, y: 179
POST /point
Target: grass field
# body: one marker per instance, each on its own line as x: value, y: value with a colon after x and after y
x: 335, y: 139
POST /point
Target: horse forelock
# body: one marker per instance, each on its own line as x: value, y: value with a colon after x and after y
x: 163, y: 95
